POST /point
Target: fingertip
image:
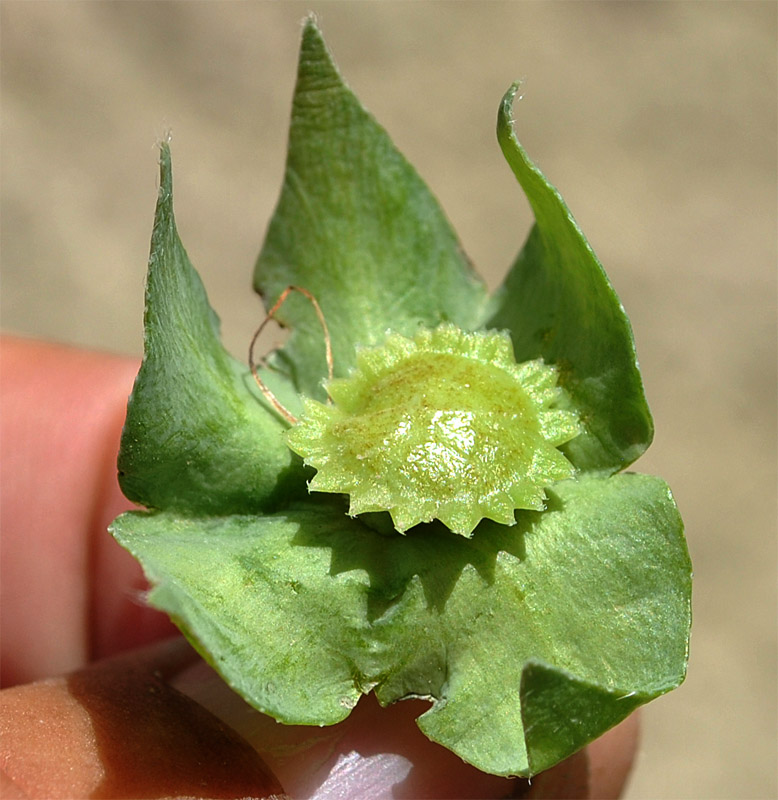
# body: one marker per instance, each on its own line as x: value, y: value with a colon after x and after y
x: 117, y: 730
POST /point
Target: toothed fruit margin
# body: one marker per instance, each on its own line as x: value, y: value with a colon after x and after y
x: 445, y: 425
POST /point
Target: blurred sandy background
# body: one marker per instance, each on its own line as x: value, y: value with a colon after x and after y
x: 657, y: 121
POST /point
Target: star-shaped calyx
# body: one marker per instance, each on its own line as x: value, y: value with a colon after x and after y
x: 445, y: 425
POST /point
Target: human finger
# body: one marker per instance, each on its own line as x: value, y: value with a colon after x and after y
x: 381, y: 753
x: 118, y: 729
x: 69, y: 592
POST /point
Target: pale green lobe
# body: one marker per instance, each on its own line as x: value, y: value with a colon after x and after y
x: 559, y: 305
x: 198, y: 437
x: 357, y: 227
x: 530, y: 640
x: 444, y: 425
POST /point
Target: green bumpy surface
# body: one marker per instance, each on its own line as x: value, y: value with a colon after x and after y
x: 442, y: 426
x: 529, y: 639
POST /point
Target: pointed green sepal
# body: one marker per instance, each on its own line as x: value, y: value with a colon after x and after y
x: 559, y: 305
x: 198, y: 437
x: 358, y: 228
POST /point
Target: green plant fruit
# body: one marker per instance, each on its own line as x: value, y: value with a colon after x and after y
x: 442, y: 426
x: 539, y: 594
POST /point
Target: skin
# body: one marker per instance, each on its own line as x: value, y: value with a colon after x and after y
x: 105, y: 700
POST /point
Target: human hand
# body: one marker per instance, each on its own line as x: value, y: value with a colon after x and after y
x: 136, y: 724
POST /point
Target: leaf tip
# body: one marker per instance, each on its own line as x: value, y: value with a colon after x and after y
x: 505, y: 119
x: 510, y: 95
x: 313, y: 43
x: 311, y: 24
x: 165, y: 168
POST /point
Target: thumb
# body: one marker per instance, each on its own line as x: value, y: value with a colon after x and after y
x: 118, y: 729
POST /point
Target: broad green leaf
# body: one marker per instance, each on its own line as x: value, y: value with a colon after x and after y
x: 356, y: 226
x: 580, y: 608
x: 197, y: 438
x: 557, y: 303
